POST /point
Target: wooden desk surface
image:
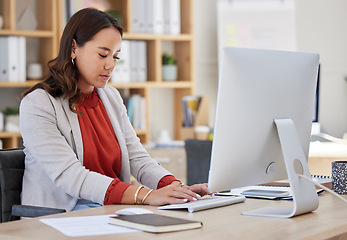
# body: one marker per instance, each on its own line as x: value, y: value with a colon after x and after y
x: 328, y: 221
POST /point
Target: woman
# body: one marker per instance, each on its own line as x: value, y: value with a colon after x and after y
x: 79, y: 144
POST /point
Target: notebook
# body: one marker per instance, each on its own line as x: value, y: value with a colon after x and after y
x: 205, y: 203
x: 154, y: 222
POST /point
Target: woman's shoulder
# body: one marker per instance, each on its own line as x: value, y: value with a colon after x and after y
x: 37, y: 94
x: 38, y: 97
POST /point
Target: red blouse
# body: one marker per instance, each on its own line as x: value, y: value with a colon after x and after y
x: 101, y: 151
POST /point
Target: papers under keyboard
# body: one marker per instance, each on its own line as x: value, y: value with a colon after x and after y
x: 205, y: 203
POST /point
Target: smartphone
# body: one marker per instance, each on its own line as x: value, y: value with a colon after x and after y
x: 265, y: 193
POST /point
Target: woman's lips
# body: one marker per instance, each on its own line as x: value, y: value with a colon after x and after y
x: 105, y: 77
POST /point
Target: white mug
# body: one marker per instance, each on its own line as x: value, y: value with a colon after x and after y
x: 35, y: 71
x: 164, y: 136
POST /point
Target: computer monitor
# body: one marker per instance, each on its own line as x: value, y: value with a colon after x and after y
x: 263, y: 121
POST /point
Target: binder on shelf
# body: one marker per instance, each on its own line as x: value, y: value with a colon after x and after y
x: 3, y: 58
x: 12, y: 59
x: 138, y: 61
x: 172, y: 17
x: 141, y: 48
x: 140, y: 5
x: 158, y: 17
x: 154, y: 16
x: 166, y: 10
x: 136, y: 12
x: 121, y: 73
x: 149, y: 16
x: 21, y: 43
x: 133, y: 61
x: 12, y: 56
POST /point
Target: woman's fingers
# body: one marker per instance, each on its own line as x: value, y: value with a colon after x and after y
x: 185, y: 192
x: 201, y: 189
x: 172, y: 194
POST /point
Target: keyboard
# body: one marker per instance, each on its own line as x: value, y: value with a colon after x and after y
x: 205, y: 203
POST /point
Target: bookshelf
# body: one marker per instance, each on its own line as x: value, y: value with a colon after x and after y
x: 183, y: 45
x: 48, y: 18
x: 49, y: 33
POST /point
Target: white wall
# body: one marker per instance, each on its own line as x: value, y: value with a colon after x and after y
x: 321, y: 28
x: 206, y: 52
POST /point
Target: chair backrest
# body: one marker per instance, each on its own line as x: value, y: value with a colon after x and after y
x: 11, y: 176
x: 198, y: 160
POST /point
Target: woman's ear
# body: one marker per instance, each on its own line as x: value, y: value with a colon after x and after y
x: 73, y: 49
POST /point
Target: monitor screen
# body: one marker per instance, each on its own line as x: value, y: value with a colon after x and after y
x: 256, y: 87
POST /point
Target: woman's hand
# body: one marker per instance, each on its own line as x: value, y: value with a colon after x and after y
x: 201, y: 189
x: 176, y: 193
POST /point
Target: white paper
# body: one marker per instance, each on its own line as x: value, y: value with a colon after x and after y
x: 85, y: 226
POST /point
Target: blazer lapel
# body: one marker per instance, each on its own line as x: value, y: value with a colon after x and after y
x: 75, y: 128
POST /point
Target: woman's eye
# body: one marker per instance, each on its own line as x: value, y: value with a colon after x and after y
x: 103, y: 56
x: 116, y: 58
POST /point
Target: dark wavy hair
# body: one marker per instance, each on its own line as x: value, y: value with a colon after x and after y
x: 62, y: 76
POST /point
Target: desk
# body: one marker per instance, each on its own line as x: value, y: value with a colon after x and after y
x: 328, y: 221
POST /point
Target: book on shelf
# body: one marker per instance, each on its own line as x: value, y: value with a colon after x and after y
x: 154, y: 223
x: 136, y: 108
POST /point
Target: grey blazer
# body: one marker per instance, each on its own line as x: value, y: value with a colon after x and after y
x: 54, y: 174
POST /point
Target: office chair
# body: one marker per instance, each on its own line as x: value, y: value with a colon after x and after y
x: 198, y: 154
x: 11, y: 176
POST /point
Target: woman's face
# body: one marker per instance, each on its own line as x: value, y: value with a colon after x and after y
x: 96, y: 59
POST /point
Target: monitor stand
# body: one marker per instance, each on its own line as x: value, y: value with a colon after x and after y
x: 304, y: 193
